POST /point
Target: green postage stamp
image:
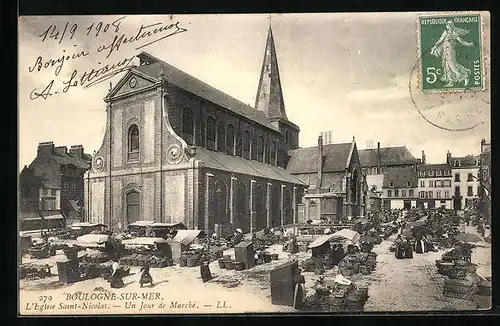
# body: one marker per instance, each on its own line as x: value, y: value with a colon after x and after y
x: 451, y: 52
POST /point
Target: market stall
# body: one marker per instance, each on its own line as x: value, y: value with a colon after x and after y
x: 155, y: 251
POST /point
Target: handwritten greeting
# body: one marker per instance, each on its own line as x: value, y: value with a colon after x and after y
x: 71, y: 32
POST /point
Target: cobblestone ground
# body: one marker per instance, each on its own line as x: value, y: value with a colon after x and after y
x: 414, y: 284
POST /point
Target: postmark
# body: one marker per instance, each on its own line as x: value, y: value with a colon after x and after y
x: 451, y: 56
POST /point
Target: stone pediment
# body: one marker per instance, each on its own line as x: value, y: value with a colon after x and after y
x: 131, y: 82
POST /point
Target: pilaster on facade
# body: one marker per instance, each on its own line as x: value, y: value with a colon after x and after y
x: 294, y: 209
x: 208, y: 178
x: 252, y: 204
x: 268, y: 205
x: 282, y: 204
x: 231, y: 199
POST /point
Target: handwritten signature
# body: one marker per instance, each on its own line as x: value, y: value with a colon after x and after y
x: 96, y: 75
x: 86, y: 79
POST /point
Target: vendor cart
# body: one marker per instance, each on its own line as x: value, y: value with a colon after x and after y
x: 181, y: 242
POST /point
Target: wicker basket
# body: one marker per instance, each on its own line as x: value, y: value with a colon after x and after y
x: 239, y: 265
x: 274, y: 256
x: 222, y: 265
x: 229, y: 264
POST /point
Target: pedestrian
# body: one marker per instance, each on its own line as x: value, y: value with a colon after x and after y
x: 205, y: 273
x: 116, y: 280
x: 145, y: 275
x: 238, y: 236
x: 400, y: 252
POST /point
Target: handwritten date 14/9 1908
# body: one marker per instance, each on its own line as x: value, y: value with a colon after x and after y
x: 86, y: 79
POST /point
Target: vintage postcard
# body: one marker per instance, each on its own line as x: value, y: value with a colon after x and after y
x: 221, y: 164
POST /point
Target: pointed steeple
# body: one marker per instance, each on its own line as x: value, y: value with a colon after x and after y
x: 269, y: 94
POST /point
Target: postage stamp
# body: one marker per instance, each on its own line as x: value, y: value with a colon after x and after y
x: 451, y: 53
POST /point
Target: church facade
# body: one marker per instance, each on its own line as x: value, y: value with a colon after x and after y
x: 178, y: 150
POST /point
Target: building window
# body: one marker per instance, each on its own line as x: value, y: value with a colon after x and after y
x: 469, y: 177
x: 246, y: 145
x: 63, y: 169
x: 133, y: 206
x: 211, y: 130
x: 439, y: 173
x: 457, y: 177
x: 469, y: 192
x: 396, y: 192
x: 431, y: 183
x: 408, y: 184
x: 410, y: 193
x: 221, y: 138
x: 230, y: 139
x: 426, y: 194
x: 52, y: 192
x: 391, y: 184
x: 456, y: 163
x: 421, y: 174
x: 389, y: 193
x: 438, y: 194
x: 421, y: 194
x: 457, y: 191
x: 133, y: 142
x: 239, y: 145
x: 260, y: 149
x: 403, y: 193
x: 447, y: 173
x: 431, y: 173
x: 447, y: 183
x: 446, y: 194
x: 430, y: 194
x: 422, y: 184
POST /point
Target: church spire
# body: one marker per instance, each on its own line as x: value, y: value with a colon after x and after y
x: 269, y: 94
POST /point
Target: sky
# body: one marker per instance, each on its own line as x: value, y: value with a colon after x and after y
x: 349, y: 73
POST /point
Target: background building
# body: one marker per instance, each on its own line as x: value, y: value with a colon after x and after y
x: 378, y: 160
x: 434, y: 186
x: 485, y: 180
x: 179, y: 150
x: 335, y: 179
x: 465, y: 179
x: 400, y: 188
x: 53, y: 183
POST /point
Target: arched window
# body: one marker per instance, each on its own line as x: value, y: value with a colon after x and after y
x: 246, y: 145
x: 211, y: 132
x: 188, y: 125
x: 133, y: 199
x: 230, y: 139
x: 272, y: 153
x: 133, y: 142
x: 260, y: 149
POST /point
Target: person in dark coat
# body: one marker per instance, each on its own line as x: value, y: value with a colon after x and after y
x: 145, y: 275
x: 116, y: 280
x: 409, y: 248
x: 400, y: 247
x: 206, y: 275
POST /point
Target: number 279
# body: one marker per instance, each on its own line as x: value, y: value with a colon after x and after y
x: 432, y: 74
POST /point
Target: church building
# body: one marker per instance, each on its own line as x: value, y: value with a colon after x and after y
x: 178, y: 150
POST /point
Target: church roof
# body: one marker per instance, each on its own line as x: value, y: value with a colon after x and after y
x: 195, y: 86
x: 269, y: 97
x: 388, y: 155
x: 236, y: 164
x: 305, y: 160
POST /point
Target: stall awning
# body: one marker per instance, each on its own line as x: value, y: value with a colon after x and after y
x: 350, y: 235
x: 87, y: 224
x: 147, y: 241
x: 54, y: 217
x: 186, y: 236
x: 178, y: 225
x: 93, y: 238
x: 321, y: 241
x: 142, y: 223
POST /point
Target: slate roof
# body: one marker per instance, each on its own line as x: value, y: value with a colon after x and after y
x: 236, y: 164
x: 465, y: 161
x: 400, y: 177
x: 305, y: 160
x: 433, y: 167
x: 389, y: 156
x: 69, y: 159
x: 195, y: 86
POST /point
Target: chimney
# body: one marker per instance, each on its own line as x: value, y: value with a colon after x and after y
x: 61, y: 150
x: 46, y: 148
x: 379, y: 159
x: 423, y: 157
x: 448, y: 157
x: 76, y: 151
x: 320, y: 162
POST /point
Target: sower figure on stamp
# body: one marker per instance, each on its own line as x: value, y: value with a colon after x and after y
x: 145, y: 275
x: 453, y: 72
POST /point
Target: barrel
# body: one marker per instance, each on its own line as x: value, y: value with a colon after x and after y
x: 192, y: 261
x: 229, y: 264
x: 239, y: 265
x: 182, y: 261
